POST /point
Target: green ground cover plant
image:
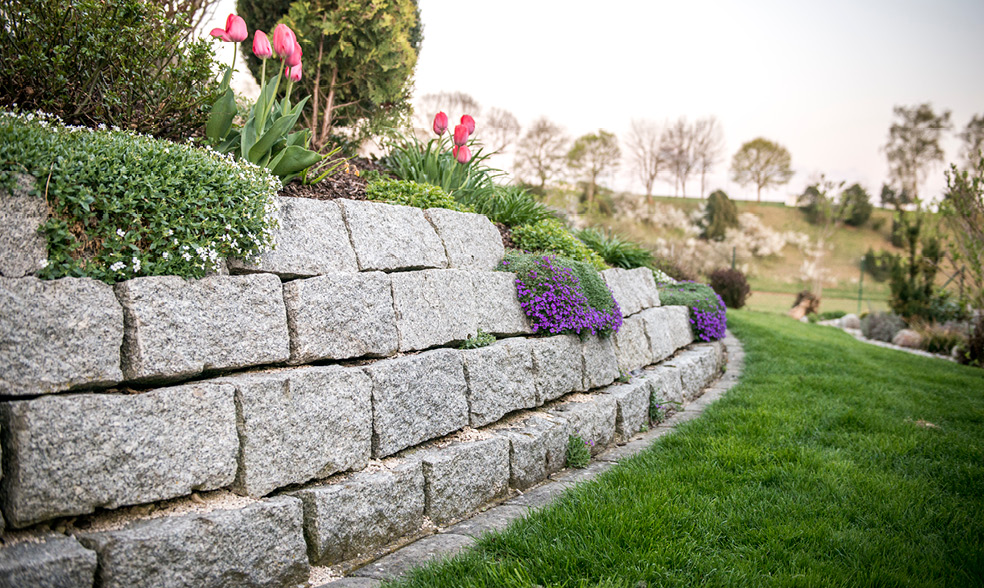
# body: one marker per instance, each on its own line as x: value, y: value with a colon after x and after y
x: 707, y: 311
x: 857, y: 466
x: 578, y: 452
x: 550, y: 236
x: 124, y: 205
x: 412, y: 194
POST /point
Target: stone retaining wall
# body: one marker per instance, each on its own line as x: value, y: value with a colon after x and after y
x: 307, y: 409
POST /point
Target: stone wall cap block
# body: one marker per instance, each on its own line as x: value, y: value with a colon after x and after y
x: 23, y: 248
x: 497, y: 304
x: 471, y: 240
x: 634, y: 289
x: 389, y: 237
x: 58, y: 335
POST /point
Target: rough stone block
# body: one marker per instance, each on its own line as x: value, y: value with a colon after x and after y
x: 362, y: 511
x: 418, y: 553
x: 665, y: 383
x: 175, y: 328
x: 259, y: 545
x: 71, y: 454
x: 312, y: 240
x: 389, y: 237
x: 338, y: 316
x: 668, y: 329
x: 592, y: 417
x: 632, y: 403
x: 497, y: 305
x: 416, y: 398
x: 58, y: 335
x: 600, y: 363
x: 698, y: 365
x: 58, y: 562
x: 460, y: 478
x: 634, y: 289
x: 537, y: 448
x: 500, y: 380
x: 23, y: 249
x: 632, y: 348
x: 296, y: 425
x: 558, y: 366
x: 433, y: 307
x: 470, y: 240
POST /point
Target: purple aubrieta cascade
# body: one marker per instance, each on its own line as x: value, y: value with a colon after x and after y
x: 552, y: 298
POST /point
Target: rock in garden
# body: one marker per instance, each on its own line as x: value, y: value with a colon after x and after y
x: 850, y: 321
x: 464, y: 476
x: 632, y: 407
x: 57, y: 562
x: 57, y: 335
x: 632, y: 350
x: 558, y: 366
x: 591, y: 417
x: 23, y: 248
x: 433, y: 307
x: 388, y: 237
x: 908, y: 338
x: 634, y: 289
x: 497, y: 304
x: 537, y: 448
x: 668, y: 329
x: 500, y: 380
x: 470, y: 240
x: 600, y: 364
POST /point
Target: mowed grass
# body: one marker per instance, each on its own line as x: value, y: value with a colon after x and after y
x: 781, y: 302
x: 832, y: 463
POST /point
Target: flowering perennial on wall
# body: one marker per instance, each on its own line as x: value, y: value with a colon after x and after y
x: 561, y: 295
x: 707, y: 311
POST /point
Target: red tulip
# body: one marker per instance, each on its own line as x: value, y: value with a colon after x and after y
x: 469, y: 122
x: 261, y: 45
x: 440, y: 123
x: 284, y: 40
x: 294, y: 59
x: 461, y: 133
x: 235, y: 30
x: 294, y: 72
x: 462, y: 154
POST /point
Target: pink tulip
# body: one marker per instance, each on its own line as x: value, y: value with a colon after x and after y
x: 261, y: 45
x: 284, y: 40
x: 462, y: 154
x: 294, y: 59
x: 469, y: 122
x: 461, y: 133
x: 440, y: 123
x: 235, y: 30
x: 294, y: 72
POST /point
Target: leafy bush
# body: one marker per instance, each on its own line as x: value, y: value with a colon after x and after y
x: 731, y: 285
x: 616, y: 251
x: 857, y: 205
x: 125, y: 205
x: 550, y: 236
x: 512, y: 206
x: 912, y: 281
x: 720, y: 214
x: 578, y: 452
x: 972, y: 352
x: 879, y: 265
x: 412, y: 194
x: 481, y: 339
x: 563, y: 295
x: 115, y: 62
x: 938, y: 338
x: 881, y: 326
x: 707, y: 311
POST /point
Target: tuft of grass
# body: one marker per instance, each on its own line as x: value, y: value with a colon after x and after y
x: 616, y: 251
x: 832, y: 463
x: 481, y: 339
x: 512, y: 206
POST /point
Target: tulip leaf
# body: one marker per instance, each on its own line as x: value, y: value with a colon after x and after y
x: 294, y: 159
x: 266, y: 142
x: 220, y: 120
x: 263, y: 103
x: 247, y: 138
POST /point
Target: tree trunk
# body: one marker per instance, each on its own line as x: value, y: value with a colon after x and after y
x: 758, y: 194
x: 329, y: 105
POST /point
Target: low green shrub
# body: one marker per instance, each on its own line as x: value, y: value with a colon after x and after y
x: 578, y: 452
x: 512, y: 206
x: 550, y: 236
x: 125, y: 205
x: 825, y: 316
x: 412, y: 194
x: 659, y: 409
x: 941, y: 338
x: 708, y: 317
x: 616, y: 251
x: 731, y: 285
x: 881, y: 326
x: 481, y: 339
x: 434, y: 164
x: 112, y: 62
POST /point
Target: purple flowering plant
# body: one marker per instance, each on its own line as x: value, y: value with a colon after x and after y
x: 560, y: 295
x: 708, y: 316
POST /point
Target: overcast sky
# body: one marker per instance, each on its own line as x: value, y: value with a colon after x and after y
x: 820, y: 78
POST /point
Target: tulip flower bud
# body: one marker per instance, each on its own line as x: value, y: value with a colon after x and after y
x: 261, y: 45
x: 236, y: 28
x: 462, y: 153
x: 440, y: 123
x: 283, y: 40
x: 294, y: 59
x: 294, y: 72
x: 469, y: 122
x: 460, y: 134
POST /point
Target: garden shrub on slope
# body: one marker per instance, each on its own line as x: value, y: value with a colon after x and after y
x: 124, y: 205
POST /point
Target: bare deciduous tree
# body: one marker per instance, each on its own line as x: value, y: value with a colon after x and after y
x: 914, y: 144
x: 454, y: 104
x: 677, y: 148
x: 591, y: 156
x: 196, y: 11
x: 541, y: 153
x: 647, y: 157
x: 708, y: 145
x: 499, y: 129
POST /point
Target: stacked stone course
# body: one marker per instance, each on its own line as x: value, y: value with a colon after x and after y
x: 322, y: 382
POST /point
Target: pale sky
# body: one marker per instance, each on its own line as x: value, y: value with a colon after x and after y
x: 820, y: 78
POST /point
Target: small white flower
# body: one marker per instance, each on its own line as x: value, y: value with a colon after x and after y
x: 121, y: 232
x: 136, y: 264
x: 186, y: 255
x: 165, y: 255
x: 118, y: 266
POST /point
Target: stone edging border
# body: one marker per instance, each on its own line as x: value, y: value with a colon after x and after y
x: 451, y: 540
x: 856, y: 333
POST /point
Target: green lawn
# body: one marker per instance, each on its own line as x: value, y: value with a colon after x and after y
x: 832, y: 463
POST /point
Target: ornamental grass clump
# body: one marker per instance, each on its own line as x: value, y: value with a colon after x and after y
x: 561, y: 295
x: 707, y: 311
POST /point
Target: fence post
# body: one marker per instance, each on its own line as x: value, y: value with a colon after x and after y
x: 861, y: 284
x: 733, y: 248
